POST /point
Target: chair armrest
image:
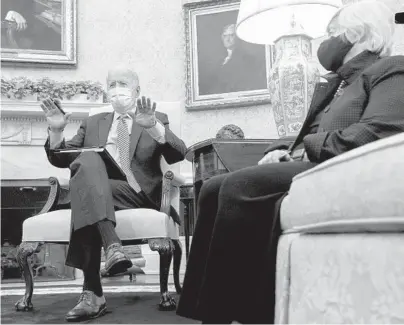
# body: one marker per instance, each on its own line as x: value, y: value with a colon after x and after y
x: 170, y: 180
x: 178, y: 180
x: 63, y: 182
x: 166, y: 192
x: 53, y: 195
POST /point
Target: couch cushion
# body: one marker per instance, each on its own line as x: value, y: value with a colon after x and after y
x: 131, y: 224
x: 361, y: 190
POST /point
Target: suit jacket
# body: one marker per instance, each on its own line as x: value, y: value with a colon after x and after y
x: 144, y: 150
x: 370, y: 108
x: 243, y: 72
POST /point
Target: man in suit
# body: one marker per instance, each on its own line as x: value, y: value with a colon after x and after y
x: 136, y: 136
x: 239, y: 70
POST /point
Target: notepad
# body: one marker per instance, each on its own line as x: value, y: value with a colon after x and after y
x: 113, y: 169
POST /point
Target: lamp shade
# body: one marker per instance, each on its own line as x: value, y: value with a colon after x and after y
x: 264, y: 21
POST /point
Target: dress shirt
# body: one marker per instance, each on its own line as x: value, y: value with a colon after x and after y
x: 157, y: 132
x: 228, y: 57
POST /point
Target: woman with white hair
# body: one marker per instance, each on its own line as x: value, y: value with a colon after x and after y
x: 231, y: 268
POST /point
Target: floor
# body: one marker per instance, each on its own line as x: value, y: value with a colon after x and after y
x: 128, y: 302
x: 122, y: 308
x: 141, y: 283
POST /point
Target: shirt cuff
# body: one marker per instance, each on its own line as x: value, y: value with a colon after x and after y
x: 158, y: 132
x: 55, y: 139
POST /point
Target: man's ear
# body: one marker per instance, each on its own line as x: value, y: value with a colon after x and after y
x: 138, y: 91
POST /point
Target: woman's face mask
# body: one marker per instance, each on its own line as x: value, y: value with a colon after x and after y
x: 121, y: 98
x: 332, y: 52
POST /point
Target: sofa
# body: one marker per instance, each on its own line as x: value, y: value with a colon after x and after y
x: 341, y: 254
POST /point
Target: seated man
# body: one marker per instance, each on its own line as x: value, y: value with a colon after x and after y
x: 136, y: 136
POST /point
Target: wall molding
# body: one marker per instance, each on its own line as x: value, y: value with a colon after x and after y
x: 21, y: 108
x: 24, y: 123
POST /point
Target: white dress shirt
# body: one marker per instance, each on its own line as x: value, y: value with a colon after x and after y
x: 228, y: 57
x: 157, y: 132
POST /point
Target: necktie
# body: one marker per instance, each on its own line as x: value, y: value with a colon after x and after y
x: 123, y: 149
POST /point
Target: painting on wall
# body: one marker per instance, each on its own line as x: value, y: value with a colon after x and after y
x: 222, y: 70
x: 38, y: 31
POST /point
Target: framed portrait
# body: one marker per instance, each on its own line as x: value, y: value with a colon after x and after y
x: 222, y: 70
x: 38, y: 31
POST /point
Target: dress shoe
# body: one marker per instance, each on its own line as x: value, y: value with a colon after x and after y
x: 116, y: 260
x: 89, y: 306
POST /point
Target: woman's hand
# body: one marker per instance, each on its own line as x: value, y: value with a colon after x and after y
x: 275, y: 157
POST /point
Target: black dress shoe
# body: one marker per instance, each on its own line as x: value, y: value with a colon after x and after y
x: 88, y: 307
x: 116, y: 260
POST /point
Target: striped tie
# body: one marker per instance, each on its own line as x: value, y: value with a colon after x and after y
x: 123, y: 149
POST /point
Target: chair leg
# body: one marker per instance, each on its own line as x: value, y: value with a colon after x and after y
x: 25, y: 250
x: 165, y: 249
x: 177, y: 264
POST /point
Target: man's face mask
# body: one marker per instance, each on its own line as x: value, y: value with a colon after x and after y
x: 332, y: 52
x: 121, y: 98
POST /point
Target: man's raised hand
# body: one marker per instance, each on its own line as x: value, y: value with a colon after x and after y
x: 57, y: 119
x: 145, y: 112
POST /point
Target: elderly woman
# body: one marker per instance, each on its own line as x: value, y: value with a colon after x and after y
x: 231, y: 268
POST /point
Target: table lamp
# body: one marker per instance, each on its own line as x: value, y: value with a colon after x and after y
x: 289, y: 25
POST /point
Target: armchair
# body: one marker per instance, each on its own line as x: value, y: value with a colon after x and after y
x: 340, y: 257
x: 134, y: 227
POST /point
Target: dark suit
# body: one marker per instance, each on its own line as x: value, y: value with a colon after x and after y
x: 231, y: 268
x: 93, y: 196
x: 244, y: 71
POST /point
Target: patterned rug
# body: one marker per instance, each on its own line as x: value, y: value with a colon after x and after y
x: 123, y: 308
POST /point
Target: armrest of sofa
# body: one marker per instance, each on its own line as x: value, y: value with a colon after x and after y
x: 361, y: 190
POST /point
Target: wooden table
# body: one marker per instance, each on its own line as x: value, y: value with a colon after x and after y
x: 215, y: 157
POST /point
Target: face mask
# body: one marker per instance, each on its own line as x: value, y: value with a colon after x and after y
x: 332, y: 52
x: 121, y: 99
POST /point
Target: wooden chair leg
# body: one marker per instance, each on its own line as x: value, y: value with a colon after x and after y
x: 25, y: 250
x: 177, y: 264
x: 165, y: 249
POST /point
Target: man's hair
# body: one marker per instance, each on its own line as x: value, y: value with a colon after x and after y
x: 129, y: 73
x: 225, y: 28
x: 367, y: 21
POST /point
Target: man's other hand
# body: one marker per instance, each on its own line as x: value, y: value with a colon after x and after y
x: 57, y: 119
x: 145, y: 113
x: 275, y: 157
x: 18, y: 19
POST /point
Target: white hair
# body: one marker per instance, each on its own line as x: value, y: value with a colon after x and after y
x: 370, y: 22
x: 229, y: 26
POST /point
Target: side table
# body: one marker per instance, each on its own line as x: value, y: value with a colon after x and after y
x: 187, y: 212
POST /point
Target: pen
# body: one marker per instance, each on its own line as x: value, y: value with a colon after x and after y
x: 63, y: 112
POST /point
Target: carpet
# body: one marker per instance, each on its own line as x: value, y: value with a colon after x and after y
x: 123, y: 308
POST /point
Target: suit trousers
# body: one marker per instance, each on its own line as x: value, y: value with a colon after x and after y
x: 230, y: 273
x: 94, y: 198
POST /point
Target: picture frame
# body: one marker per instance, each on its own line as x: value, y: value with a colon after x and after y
x: 222, y: 70
x: 39, y: 32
